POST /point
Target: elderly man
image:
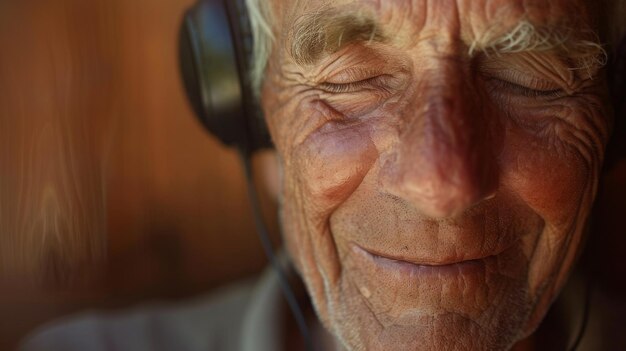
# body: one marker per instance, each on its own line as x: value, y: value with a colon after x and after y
x: 438, y: 162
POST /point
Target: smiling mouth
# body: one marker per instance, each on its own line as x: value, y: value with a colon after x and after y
x: 412, y: 268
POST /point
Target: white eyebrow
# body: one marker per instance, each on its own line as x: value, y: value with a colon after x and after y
x: 527, y: 37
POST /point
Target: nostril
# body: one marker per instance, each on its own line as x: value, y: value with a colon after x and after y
x: 442, y: 209
x: 442, y: 197
x: 444, y: 202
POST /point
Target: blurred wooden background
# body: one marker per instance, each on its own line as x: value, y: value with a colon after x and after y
x: 110, y: 192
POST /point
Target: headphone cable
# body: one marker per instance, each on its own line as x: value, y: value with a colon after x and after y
x: 262, y: 231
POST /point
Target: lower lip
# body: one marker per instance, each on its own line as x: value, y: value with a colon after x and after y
x: 408, y: 270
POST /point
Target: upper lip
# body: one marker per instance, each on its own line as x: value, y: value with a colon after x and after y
x: 422, y: 261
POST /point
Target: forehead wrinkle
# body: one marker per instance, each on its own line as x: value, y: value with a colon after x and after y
x: 511, y: 27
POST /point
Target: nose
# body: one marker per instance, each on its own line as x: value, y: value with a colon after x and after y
x: 444, y: 161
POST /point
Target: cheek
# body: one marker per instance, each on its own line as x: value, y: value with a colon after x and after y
x: 320, y: 173
x: 553, y: 165
x: 554, y: 174
x: 332, y: 162
x: 550, y: 181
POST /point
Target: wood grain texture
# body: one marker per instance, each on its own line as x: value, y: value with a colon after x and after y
x: 110, y: 191
x: 52, y: 200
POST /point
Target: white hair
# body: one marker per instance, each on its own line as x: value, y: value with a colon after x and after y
x: 586, y: 53
x: 612, y: 23
x: 261, y: 18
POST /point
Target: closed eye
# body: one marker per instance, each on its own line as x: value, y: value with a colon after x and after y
x: 525, y: 91
x: 376, y: 82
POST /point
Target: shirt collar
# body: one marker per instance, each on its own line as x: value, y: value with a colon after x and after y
x: 262, y: 329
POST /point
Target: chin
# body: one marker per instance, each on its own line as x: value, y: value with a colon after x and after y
x: 487, y: 300
x: 483, y: 307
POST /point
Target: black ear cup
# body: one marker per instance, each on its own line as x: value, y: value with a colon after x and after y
x: 215, y: 53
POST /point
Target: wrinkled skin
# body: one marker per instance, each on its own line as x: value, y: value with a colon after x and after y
x: 440, y: 207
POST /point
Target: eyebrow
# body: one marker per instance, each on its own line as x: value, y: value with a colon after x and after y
x: 328, y: 30
x: 579, y: 45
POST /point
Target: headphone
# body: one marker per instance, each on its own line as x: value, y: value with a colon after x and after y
x: 215, y: 55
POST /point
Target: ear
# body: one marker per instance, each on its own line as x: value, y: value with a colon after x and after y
x: 270, y: 172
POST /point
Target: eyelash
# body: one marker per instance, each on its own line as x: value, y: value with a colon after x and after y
x: 525, y: 91
x: 352, y: 86
x: 515, y: 88
x: 522, y: 90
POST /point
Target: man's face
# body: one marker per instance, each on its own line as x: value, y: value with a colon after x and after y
x: 439, y: 160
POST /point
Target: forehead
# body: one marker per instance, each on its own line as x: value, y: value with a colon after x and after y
x: 408, y: 21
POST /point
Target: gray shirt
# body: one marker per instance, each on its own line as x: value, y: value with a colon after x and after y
x: 249, y: 317
x: 245, y: 317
